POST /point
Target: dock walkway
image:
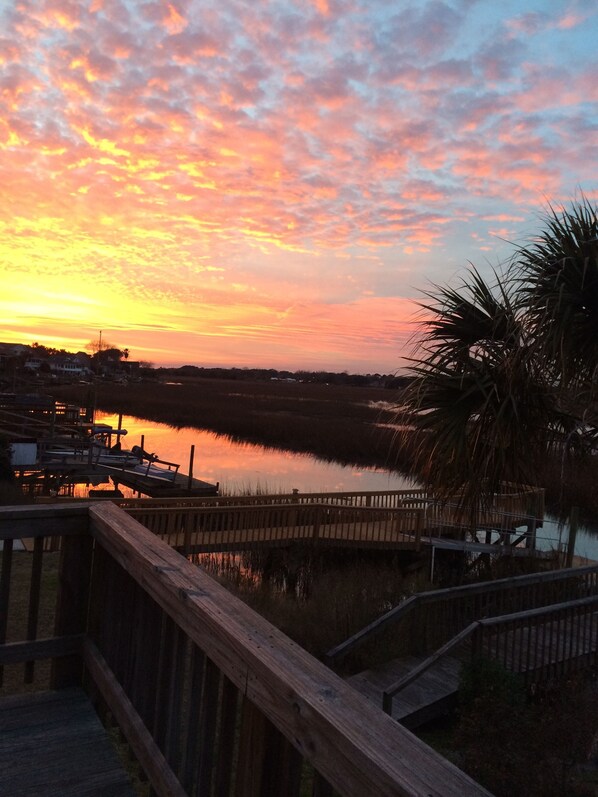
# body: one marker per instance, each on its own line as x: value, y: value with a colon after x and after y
x: 433, y: 694
x: 52, y: 744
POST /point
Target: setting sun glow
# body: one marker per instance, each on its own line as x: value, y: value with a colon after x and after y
x: 272, y: 184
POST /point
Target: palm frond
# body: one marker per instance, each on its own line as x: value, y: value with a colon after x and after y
x: 477, y: 403
x: 558, y: 275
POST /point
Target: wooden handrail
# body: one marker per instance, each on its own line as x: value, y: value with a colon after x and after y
x: 407, y: 606
x: 355, y: 747
x: 402, y: 683
x: 199, y: 528
x: 43, y: 520
x: 488, y: 622
x: 381, y: 499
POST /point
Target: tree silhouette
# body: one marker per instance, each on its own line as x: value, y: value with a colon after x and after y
x: 505, y: 372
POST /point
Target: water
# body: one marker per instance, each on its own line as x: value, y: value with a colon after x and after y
x: 244, y: 467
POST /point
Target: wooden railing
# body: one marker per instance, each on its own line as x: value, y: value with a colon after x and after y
x: 210, y: 697
x: 382, y: 499
x: 396, y: 517
x: 526, y: 502
x: 538, y: 644
x: 231, y: 527
x: 427, y: 620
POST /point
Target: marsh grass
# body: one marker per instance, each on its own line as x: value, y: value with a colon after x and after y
x: 316, y: 598
x: 336, y: 423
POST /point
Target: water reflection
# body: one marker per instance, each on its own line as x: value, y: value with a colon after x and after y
x: 243, y: 467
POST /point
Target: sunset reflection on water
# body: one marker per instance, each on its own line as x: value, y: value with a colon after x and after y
x: 243, y: 467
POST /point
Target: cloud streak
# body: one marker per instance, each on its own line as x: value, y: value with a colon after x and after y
x: 184, y: 171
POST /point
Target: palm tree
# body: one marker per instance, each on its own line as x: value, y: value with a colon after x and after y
x: 477, y: 404
x: 504, y: 372
x: 558, y: 275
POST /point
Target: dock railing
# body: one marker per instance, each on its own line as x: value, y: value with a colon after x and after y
x: 380, y: 499
x: 540, y: 645
x: 401, y: 516
x: 427, y: 620
x: 210, y: 697
x: 193, y: 529
x: 525, y: 502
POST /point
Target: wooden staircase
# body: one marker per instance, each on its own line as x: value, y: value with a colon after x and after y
x: 431, y: 696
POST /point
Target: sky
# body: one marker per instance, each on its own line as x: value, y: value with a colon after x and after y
x: 216, y: 182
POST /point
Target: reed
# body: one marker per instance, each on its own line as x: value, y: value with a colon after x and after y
x: 316, y: 598
x: 337, y: 423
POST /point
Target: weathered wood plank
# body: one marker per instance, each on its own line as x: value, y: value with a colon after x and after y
x: 5, y: 595
x: 429, y: 694
x: 17, y: 652
x: 356, y: 748
x: 72, y: 605
x: 146, y: 750
x: 53, y: 745
x: 43, y: 520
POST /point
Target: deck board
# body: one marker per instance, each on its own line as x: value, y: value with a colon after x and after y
x: 52, y: 744
x: 421, y: 700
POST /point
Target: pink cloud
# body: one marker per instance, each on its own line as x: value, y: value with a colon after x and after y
x: 213, y: 164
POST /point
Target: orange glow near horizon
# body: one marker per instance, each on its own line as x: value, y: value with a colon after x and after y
x: 210, y: 187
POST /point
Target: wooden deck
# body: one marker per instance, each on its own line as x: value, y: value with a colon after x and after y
x: 52, y: 744
x: 430, y: 696
x: 537, y: 645
x: 407, y: 519
x: 209, y: 696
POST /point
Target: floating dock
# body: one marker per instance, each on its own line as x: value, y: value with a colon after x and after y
x: 156, y: 487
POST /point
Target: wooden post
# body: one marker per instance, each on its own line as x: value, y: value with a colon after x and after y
x: 530, y: 542
x: 316, y: 521
x: 573, y: 522
x: 5, y: 595
x: 190, y: 478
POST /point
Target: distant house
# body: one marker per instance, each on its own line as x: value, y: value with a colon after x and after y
x: 67, y: 366
x: 14, y: 349
x: 34, y: 363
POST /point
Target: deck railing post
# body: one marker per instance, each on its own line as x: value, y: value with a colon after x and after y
x: 573, y: 522
x: 72, y: 604
x: 317, y: 517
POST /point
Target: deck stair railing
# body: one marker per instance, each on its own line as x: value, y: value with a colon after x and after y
x: 209, y: 696
x: 539, y: 644
x: 427, y: 620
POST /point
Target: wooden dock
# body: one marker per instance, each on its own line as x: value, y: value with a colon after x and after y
x: 72, y: 470
x: 433, y: 695
x: 401, y: 519
x: 179, y: 486
x: 52, y: 744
